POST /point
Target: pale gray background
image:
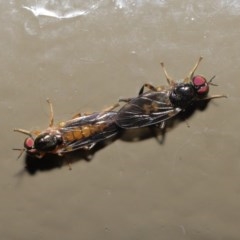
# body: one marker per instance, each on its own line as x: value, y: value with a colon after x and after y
x: 84, y: 55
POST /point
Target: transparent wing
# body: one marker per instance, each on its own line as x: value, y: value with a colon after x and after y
x: 102, y: 126
x: 147, y: 109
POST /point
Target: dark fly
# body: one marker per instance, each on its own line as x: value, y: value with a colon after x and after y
x: 164, y: 102
x: 81, y: 132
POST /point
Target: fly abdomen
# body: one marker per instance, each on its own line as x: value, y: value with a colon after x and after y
x: 82, y: 132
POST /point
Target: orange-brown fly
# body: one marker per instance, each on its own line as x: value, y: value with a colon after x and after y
x: 161, y: 103
x: 81, y: 132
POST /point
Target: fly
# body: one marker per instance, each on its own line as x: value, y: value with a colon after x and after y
x: 161, y: 103
x: 81, y: 132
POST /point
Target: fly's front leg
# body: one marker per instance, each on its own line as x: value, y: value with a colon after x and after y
x: 188, y: 79
x: 170, y: 80
x: 51, y: 122
x: 26, y: 132
x: 212, y: 97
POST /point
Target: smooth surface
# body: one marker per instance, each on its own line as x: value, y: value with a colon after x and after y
x: 85, y: 56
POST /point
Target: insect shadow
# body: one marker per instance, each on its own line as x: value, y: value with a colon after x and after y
x: 52, y: 161
x: 141, y: 134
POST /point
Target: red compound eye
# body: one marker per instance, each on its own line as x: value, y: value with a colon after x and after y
x: 28, y: 143
x: 200, y: 84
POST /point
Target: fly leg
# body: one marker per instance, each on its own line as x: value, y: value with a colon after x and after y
x: 22, y: 150
x: 149, y: 86
x: 51, y: 122
x: 170, y: 80
x: 146, y: 85
x: 104, y: 111
x: 108, y: 109
x: 80, y: 115
x: 125, y: 100
x: 212, y: 97
x: 29, y: 133
x: 190, y: 75
x: 76, y: 115
x: 26, y: 132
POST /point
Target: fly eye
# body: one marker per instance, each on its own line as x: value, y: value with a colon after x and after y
x: 200, y: 84
x: 29, y: 143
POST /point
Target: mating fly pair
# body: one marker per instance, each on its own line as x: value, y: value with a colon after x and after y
x: 161, y: 103
x: 149, y: 108
x: 81, y: 132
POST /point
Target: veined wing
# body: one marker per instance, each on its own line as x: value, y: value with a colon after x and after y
x: 89, y: 130
x: 147, y: 109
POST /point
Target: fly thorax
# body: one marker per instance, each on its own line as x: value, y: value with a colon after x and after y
x: 182, y: 95
x: 48, y: 141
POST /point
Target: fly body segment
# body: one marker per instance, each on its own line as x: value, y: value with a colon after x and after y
x: 161, y: 103
x: 81, y: 132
